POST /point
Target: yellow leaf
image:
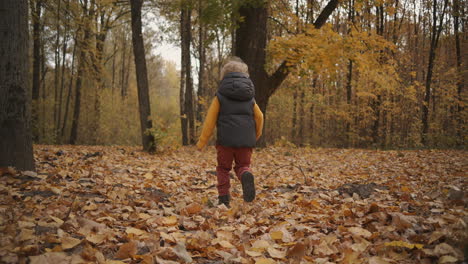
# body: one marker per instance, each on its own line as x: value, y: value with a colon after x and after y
x: 276, y: 235
x: 135, y: 231
x: 264, y: 261
x: 144, y: 216
x: 400, y: 243
x: 170, y: 220
x: 148, y: 176
x: 260, y: 244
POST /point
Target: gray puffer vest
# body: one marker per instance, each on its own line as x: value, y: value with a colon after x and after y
x: 236, y: 124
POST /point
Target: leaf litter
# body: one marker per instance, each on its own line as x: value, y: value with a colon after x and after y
x: 120, y: 205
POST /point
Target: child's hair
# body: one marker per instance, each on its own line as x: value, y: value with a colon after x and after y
x: 234, y: 64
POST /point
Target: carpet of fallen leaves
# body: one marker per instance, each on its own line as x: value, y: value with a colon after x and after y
x: 121, y: 205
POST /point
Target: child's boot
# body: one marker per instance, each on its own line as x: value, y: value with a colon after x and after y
x: 224, y: 199
x: 248, y: 186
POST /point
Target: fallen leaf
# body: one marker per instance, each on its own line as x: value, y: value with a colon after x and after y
x: 182, y: 253
x: 358, y: 231
x: 126, y: 250
x: 225, y: 244
x: 274, y: 253
x: 135, y: 231
x: 276, y: 235
x: 447, y: 259
x: 400, y: 243
x: 378, y: 260
x: 69, y: 242
x: 253, y: 253
x: 170, y: 220
x: 264, y: 261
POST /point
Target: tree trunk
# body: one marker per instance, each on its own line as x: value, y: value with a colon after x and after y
x: 16, y: 148
x: 294, y: 118
x: 201, y: 93
x: 148, y: 140
x: 70, y: 86
x: 36, y: 73
x: 435, y: 33
x: 189, y: 104
x: 36, y: 21
x: 124, y: 69
x: 250, y: 46
x: 62, y: 81
x: 186, y: 83
x: 82, y: 64
x: 460, y: 84
x: 301, y: 117
x: 56, y: 69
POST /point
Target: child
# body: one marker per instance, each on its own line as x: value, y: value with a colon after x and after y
x: 239, y: 124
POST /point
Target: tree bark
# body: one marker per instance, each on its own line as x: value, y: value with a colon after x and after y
x: 16, y: 148
x: 36, y: 7
x: 36, y: 21
x: 435, y: 34
x: 294, y: 118
x: 201, y: 93
x: 186, y: 82
x: 56, y: 68
x: 82, y: 64
x: 148, y: 140
x: 70, y: 86
x: 460, y: 84
x: 189, y: 93
x: 251, y: 40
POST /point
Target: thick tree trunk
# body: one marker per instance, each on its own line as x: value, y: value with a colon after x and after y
x: 15, y: 95
x: 149, y: 143
x: 250, y: 46
x: 251, y: 39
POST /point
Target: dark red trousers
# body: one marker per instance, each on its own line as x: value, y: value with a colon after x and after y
x: 226, y: 155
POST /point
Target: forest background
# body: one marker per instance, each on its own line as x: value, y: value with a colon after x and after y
x: 385, y: 74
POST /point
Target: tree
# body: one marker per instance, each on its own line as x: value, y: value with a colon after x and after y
x: 186, y: 82
x: 251, y: 41
x: 435, y: 34
x: 87, y: 15
x: 148, y: 140
x: 15, y: 96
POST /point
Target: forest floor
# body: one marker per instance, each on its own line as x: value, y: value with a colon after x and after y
x: 120, y: 205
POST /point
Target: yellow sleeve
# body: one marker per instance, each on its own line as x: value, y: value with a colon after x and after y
x: 258, y: 116
x: 209, y: 124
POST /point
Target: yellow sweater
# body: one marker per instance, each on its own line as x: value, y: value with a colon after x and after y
x: 212, y: 117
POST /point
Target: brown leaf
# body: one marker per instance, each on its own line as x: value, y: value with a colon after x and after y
x: 126, y: 250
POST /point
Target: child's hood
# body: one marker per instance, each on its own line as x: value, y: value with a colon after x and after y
x: 237, y: 86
